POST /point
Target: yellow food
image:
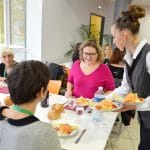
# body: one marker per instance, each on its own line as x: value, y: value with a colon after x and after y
x: 105, y: 105
x: 53, y: 115
x: 82, y: 101
x: 55, y: 112
x: 133, y: 98
x: 58, y: 107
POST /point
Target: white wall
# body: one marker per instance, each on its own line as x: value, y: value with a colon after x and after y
x: 145, y: 23
x: 54, y: 24
x: 61, y: 22
x: 33, y: 27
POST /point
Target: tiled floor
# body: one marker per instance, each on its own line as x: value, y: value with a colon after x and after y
x: 126, y: 139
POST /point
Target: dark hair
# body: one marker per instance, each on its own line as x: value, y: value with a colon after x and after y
x: 94, y: 44
x: 26, y: 80
x: 75, y: 55
x: 117, y: 56
x: 129, y: 19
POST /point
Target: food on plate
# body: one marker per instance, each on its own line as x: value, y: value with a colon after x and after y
x: 117, y: 97
x: 53, y: 115
x: 133, y: 98
x: 8, y: 101
x: 55, y: 112
x: 64, y: 128
x: 82, y: 101
x: 105, y: 105
x: 58, y: 107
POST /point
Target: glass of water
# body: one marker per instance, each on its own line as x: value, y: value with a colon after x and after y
x: 97, y: 115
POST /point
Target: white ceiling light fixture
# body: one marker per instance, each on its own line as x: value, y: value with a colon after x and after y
x: 99, y: 4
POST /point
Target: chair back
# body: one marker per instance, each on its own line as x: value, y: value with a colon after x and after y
x: 67, y: 70
x: 54, y: 86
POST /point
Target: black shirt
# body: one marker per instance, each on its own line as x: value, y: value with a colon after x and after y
x: 2, y: 69
x: 117, y: 73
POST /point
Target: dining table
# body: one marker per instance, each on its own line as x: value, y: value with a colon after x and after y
x: 95, y: 134
x: 90, y: 134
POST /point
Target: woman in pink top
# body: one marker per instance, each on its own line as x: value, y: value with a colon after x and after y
x: 88, y: 73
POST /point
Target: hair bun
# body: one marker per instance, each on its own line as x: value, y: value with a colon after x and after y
x: 136, y: 11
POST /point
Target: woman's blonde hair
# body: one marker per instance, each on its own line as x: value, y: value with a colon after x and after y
x: 6, y: 50
x: 94, y: 44
x: 104, y: 48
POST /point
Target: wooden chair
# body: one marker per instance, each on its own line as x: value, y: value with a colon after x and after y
x: 54, y: 86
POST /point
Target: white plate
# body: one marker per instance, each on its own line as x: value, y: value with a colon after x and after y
x: 128, y: 103
x: 118, y: 105
x: 120, y: 99
x: 117, y: 97
x: 75, y: 131
x: 134, y: 103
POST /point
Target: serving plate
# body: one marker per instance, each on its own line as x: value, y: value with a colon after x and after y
x: 64, y: 129
x: 116, y: 106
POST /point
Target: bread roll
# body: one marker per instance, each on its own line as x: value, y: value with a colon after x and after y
x: 8, y: 101
x: 53, y: 115
x: 58, y: 107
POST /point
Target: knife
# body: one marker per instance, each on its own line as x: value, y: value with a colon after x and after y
x: 65, y: 103
x: 79, y: 138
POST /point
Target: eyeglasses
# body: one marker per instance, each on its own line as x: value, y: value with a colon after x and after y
x: 89, y: 54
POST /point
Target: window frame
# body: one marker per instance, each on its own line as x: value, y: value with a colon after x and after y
x: 7, y: 26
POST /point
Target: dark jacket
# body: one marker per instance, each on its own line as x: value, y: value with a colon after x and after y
x: 2, y: 69
x: 139, y: 79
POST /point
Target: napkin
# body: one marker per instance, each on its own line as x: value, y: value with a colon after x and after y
x: 4, y: 90
x: 71, y: 106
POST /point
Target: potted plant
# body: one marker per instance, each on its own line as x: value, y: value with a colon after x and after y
x: 86, y: 32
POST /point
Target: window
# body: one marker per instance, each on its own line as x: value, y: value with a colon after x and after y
x: 12, y: 19
x: 17, y: 22
x: 1, y: 22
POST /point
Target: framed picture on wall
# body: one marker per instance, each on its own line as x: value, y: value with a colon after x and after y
x: 96, y: 27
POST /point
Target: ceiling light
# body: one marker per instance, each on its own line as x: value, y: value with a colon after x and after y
x: 99, y: 5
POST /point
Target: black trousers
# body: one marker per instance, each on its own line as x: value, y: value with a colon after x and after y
x: 126, y: 117
x: 144, y: 136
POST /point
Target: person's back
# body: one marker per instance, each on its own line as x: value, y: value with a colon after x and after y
x: 19, y: 128
x: 34, y: 135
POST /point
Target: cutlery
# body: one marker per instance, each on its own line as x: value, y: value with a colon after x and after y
x: 65, y: 103
x: 79, y: 138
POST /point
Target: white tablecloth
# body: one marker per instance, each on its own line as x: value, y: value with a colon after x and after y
x: 97, y: 133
